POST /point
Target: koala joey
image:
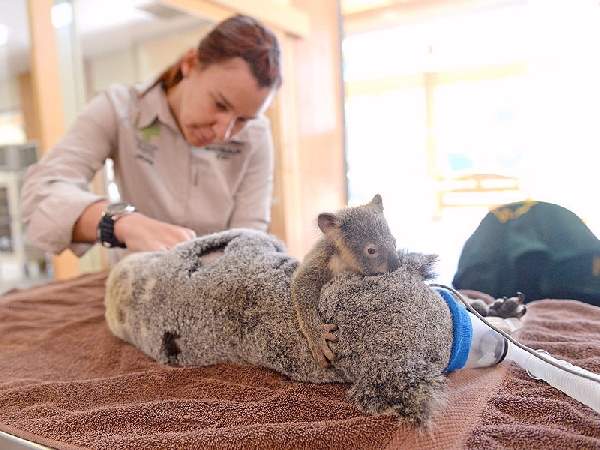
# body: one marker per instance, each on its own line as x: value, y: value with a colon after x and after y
x: 355, y: 239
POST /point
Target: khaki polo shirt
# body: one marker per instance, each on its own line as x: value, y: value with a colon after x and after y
x: 206, y: 189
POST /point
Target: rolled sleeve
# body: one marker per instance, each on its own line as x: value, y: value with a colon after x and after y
x: 253, y: 198
x: 56, y: 189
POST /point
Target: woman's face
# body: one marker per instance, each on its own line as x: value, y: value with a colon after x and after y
x: 216, y: 101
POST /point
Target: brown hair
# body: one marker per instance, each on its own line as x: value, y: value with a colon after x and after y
x: 236, y: 37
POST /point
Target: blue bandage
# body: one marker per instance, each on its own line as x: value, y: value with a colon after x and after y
x: 462, y: 331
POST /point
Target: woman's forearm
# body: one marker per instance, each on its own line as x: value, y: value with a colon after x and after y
x: 85, y: 227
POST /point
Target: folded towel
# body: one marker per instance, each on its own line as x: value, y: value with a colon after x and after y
x: 67, y: 382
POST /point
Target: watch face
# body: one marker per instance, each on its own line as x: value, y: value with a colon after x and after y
x: 115, y: 209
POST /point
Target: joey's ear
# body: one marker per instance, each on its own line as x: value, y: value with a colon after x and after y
x: 377, y: 202
x: 328, y: 222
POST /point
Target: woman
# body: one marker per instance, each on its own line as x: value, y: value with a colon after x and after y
x: 192, y: 153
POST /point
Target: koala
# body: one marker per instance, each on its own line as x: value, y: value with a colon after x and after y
x: 355, y: 239
x: 226, y: 298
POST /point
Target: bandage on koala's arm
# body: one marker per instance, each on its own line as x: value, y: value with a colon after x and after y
x: 474, y: 343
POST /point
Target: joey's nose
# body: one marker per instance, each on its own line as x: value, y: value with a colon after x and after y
x: 393, y: 261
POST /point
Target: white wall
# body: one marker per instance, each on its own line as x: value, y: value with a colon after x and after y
x: 139, y: 61
x: 114, y: 67
x: 155, y: 55
x: 9, y: 94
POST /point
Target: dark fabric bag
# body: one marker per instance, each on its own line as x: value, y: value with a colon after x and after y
x: 538, y: 248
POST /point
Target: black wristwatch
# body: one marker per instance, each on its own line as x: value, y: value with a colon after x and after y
x: 106, y: 227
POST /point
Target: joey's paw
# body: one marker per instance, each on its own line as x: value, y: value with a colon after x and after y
x: 328, y: 331
x: 509, y: 307
x: 327, y: 335
x: 318, y: 342
x: 327, y: 352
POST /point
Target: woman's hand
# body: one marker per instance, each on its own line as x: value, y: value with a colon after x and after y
x: 141, y: 233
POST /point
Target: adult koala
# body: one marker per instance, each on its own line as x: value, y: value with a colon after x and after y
x: 226, y: 298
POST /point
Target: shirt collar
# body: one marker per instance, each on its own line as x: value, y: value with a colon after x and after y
x: 153, y: 105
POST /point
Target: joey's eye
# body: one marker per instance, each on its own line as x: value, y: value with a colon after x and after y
x: 221, y: 106
x: 371, y: 250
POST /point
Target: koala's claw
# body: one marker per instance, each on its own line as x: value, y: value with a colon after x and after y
x: 319, y: 355
x: 327, y: 353
x: 328, y: 335
x: 509, y: 307
x: 321, y: 351
x: 319, y: 346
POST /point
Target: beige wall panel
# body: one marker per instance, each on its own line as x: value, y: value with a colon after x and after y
x: 48, y: 99
x: 108, y: 68
x: 320, y: 116
x: 307, y: 120
x: 287, y: 17
x: 9, y: 93
x: 155, y: 55
x: 286, y: 213
x: 205, y: 9
x: 278, y: 14
x: 28, y: 107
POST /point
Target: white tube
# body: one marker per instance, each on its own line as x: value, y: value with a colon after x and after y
x: 487, y: 346
x: 582, y: 389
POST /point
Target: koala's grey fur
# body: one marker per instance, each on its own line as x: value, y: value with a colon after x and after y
x: 394, y: 332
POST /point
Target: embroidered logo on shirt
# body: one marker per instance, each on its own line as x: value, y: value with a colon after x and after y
x: 146, y: 149
x: 150, y: 132
x: 226, y: 150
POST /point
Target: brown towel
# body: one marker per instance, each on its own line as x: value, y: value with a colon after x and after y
x: 527, y: 413
x: 66, y: 382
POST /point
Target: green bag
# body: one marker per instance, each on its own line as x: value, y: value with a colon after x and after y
x: 538, y: 248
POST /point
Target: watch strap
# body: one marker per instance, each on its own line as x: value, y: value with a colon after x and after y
x: 106, y: 232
